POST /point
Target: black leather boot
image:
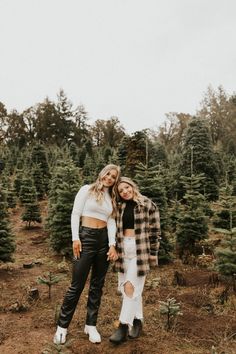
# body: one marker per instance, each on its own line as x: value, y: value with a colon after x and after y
x: 120, y: 334
x: 136, y: 329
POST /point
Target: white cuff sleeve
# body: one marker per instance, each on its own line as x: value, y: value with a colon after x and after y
x: 111, y: 229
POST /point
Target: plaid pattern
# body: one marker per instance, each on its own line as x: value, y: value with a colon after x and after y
x: 147, y: 232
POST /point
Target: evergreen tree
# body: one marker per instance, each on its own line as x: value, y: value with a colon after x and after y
x: 158, y: 155
x: 41, y: 169
x: 151, y: 184
x: 122, y: 152
x: 18, y: 181
x: 226, y: 254
x: 74, y: 153
x: 225, y: 218
x: 174, y: 214
x: 192, y: 224
x: 11, y: 197
x: 65, y: 114
x: 198, y: 157
x: 7, y: 243
x: 28, y: 198
x: 81, y: 131
x: 64, y: 185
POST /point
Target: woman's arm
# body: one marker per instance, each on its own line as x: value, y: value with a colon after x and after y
x: 77, y: 210
x: 154, y: 229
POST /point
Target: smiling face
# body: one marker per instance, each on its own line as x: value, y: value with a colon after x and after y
x: 109, y: 178
x: 125, y: 191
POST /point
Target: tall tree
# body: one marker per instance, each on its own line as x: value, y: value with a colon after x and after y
x: 226, y: 253
x: 151, y: 184
x: 65, y: 113
x: 132, y: 151
x: 197, y: 156
x: 219, y: 110
x: 16, y: 131
x: 81, y: 132
x: 172, y: 131
x: 3, y: 122
x: 192, y: 223
x: 48, y: 125
x: 107, y: 132
x: 64, y: 185
x: 39, y: 162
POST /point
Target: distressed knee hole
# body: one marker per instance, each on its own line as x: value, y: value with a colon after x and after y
x: 129, y: 289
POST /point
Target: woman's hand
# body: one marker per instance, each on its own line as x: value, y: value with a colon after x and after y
x: 112, y: 254
x: 77, y: 248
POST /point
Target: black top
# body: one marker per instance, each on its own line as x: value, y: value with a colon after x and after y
x: 128, y: 216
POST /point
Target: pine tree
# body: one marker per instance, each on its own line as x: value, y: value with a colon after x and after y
x: 64, y: 185
x: 226, y: 254
x: 198, y: 156
x: 151, y: 185
x: 18, y: 181
x: 74, y: 153
x: 11, y: 197
x: 28, y: 197
x: 7, y: 243
x: 38, y: 179
x: 192, y: 224
x: 171, y: 309
x: 39, y: 159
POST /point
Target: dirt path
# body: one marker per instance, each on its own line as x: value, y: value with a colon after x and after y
x: 27, y: 326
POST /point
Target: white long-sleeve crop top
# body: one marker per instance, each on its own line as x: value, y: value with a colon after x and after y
x: 85, y: 204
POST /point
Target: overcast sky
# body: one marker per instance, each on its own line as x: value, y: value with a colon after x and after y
x: 133, y: 59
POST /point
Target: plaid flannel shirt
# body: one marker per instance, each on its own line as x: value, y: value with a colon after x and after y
x: 147, y: 233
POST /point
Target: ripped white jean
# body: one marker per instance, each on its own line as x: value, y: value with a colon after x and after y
x: 132, y: 307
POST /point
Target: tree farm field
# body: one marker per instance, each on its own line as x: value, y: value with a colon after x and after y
x: 205, y: 324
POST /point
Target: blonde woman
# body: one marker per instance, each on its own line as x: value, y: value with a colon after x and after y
x: 93, y: 234
x: 137, y: 242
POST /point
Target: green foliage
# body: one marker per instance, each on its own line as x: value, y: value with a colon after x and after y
x: 151, y: 184
x: 50, y: 280
x: 40, y: 166
x: 31, y: 214
x: 198, y: 158
x: 226, y: 254
x: 218, y: 110
x: 64, y: 185
x: 225, y: 218
x: 171, y: 309
x: 192, y: 223
x: 132, y: 151
x: 7, y: 243
x: 28, y: 198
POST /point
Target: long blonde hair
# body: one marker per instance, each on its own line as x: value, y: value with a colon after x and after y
x: 138, y: 197
x: 97, y: 187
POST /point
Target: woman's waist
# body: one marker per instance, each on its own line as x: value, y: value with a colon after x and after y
x: 128, y: 233
x: 93, y: 223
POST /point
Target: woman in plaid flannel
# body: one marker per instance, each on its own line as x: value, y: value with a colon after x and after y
x: 137, y: 243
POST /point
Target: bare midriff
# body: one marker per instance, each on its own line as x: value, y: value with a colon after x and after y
x: 129, y: 232
x: 87, y: 221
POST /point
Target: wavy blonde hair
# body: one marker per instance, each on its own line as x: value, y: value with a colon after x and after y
x: 138, y: 197
x: 97, y: 187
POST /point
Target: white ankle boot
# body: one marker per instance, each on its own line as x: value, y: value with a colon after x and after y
x: 60, y: 335
x: 94, y: 336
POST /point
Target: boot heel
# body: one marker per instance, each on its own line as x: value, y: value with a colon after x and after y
x: 120, y: 334
x: 136, y: 329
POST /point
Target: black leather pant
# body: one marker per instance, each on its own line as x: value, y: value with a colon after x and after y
x: 93, y: 255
